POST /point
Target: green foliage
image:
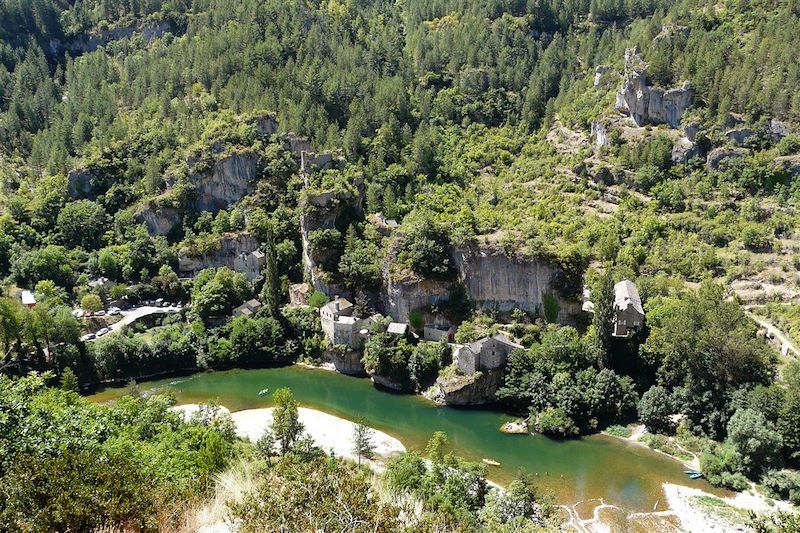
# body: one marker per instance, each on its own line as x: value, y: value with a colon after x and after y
x: 286, y: 425
x: 363, y: 447
x: 91, y: 302
x: 317, y: 299
x: 755, y: 440
x: 554, y: 421
x: 217, y: 291
x: 655, y: 408
x: 423, y: 249
x: 307, y: 495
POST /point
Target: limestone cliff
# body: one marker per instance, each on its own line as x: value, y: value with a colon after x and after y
x: 228, y: 180
x: 402, y: 297
x: 496, y: 281
x: 646, y: 104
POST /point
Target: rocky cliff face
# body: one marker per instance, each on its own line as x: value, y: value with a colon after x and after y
x: 79, y: 183
x: 89, y: 43
x: 159, y: 220
x: 321, y: 210
x: 400, y: 298
x: 230, y: 246
x: 228, y: 180
x: 469, y: 390
x: 496, y: 281
x: 650, y: 105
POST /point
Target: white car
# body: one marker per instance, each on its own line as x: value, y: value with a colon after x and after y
x: 100, y: 313
x: 103, y: 331
x: 113, y: 311
x: 88, y: 337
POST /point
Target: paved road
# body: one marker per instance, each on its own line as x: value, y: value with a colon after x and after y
x: 129, y: 317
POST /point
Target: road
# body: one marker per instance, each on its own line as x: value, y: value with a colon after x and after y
x: 129, y: 317
x: 786, y: 344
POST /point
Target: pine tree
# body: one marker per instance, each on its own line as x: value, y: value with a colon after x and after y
x: 363, y: 447
x: 69, y: 381
x: 286, y: 425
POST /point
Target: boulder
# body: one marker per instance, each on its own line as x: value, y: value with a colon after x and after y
x: 778, y: 129
x: 479, y: 388
x: 740, y: 135
x: 789, y: 163
x: 79, y: 183
x: 684, y: 150
x: 650, y: 105
x: 719, y: 157
x: 159, y: 220
x: 691, y: 130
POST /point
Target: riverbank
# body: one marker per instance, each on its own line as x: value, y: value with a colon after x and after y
x: 331, y: 433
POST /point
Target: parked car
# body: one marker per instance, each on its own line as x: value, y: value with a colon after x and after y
x: 100, y: 313
x: 77, y: 313
x: 103, y: 331
x: 88, y: 337
x: 114, y: 311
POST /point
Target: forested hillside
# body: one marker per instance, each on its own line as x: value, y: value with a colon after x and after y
x: 431, y: 160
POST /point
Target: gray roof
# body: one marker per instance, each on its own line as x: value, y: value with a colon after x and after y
x: 397, y: 328
x: 625, y: 295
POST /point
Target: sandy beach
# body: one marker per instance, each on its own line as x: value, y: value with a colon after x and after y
x: 329, y: 432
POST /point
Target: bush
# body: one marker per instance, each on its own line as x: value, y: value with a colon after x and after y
x: 654, y: 409
x: 618, y: 431
x: 554, y: 421
x: 783, y: 484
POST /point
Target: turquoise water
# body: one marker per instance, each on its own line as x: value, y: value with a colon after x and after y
x: 622, y: 473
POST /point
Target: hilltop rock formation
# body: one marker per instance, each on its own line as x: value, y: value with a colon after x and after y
x: 320, y: 210
x: 684, y: 149
x: 646, y: 104
x: 599, y: 134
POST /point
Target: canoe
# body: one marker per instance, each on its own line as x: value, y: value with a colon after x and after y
x: 262, y: 392
x: 490, y: 462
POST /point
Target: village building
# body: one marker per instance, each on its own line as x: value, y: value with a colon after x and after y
x: 383, y: 224
x: 248, y: 309
x: 489, y: 353
x: 628, y: 311
x: 435, y: 333
x: 397, y: 328
x: 102, y: 283
x: 27, y: 299
x: 299, y: 294
x: 251, y: 264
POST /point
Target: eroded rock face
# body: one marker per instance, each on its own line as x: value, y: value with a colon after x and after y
x: 159, y: 220
x: 230, y: 179
x: 469, y: 390
x: 720, y: 157
x: 598, y: 74
x: 347, y: 363
x: 650, y: 105
x: 230, y: 247
x: 496, y: 281
x: 401, y: 298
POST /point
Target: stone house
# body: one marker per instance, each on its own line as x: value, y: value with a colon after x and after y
x: 248, y: 309
x: 628, y: 311
x: 434, y: 333
x: 339, y: 324
x: 299, y: 294
x: 250, y: 264
x: 488, y: 353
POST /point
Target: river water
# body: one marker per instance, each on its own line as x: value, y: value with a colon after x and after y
x: 623, y: 474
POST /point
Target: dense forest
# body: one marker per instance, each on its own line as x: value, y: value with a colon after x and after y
x: 141, y: 136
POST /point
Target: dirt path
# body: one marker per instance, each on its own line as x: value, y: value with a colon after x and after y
x: 787, y: 345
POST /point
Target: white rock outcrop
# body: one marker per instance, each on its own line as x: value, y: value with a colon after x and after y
x: 646, y: 104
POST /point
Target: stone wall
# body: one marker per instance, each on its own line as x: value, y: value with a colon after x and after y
x: 229, y: 179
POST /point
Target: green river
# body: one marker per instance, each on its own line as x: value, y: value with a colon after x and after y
x: 622, y: 473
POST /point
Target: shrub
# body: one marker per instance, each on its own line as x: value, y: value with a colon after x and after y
x: 554, y: 421
x: 618, y: 431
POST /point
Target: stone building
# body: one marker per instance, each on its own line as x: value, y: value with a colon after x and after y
x: 299, y: 294
x: 628, y: 311
x: 488, y: 353
x: 250, y: 264
x: 434, y: 333
x: 248, y: 309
